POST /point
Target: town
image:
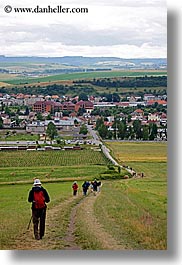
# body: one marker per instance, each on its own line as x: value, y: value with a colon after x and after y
x: 121, y: 118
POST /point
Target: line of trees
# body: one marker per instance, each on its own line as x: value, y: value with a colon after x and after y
x: 139, y: 81
x: 121, y: 131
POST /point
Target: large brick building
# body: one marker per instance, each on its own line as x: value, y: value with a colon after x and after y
x: 49, y: 105
x: 46, y: 106
x: 87, y: 105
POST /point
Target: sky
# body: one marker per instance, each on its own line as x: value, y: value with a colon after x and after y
x: 119, y: 28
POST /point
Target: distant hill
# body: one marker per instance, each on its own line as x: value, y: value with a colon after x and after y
x: 98, y: 62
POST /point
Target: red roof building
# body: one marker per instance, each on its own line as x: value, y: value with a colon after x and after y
x: 46, y: 106
x: 159, y: 101
x: 87, y: 105
x: 67, y: 105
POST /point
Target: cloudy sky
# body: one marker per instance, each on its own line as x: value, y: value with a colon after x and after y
x: 121, y: 28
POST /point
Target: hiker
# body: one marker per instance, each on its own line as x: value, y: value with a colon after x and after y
x: 99, y: 184
x: 39, y: 197
x: 95, y: 184
x: 85, y: 187
x: 133, y: 173
x: 91, y: 186
x: 75, y: 188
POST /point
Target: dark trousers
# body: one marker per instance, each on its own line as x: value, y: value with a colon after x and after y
x: 39, y: 216
x: 84, y: 191
x: 74, y: 192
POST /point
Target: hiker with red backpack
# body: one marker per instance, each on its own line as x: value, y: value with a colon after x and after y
x: 75, y: 188
x: 39, y: 197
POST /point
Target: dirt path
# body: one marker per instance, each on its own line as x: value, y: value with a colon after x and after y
x: 54, y: 239
x: 70, y: 237
x: 106, y: 241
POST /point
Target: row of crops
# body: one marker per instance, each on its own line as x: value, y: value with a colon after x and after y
x: 51, y: 158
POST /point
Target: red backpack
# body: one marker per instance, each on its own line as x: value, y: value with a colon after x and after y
x: 39, y: 199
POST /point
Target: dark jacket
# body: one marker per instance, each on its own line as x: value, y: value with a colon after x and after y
x: 37, y: 188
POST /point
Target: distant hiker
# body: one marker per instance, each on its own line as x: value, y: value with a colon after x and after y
x: 75, y: 188
x: 99, y: 184
x: 133, y: 173
x: 39, y: 197
x: 95, y: 184
x: 91, y: 186
x: 85, y: 187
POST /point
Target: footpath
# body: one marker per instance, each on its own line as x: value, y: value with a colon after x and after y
x: 53, y: 240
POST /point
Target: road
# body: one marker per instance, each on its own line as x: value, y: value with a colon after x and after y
x: 96, y: 140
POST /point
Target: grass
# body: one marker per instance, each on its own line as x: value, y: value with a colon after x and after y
x: 15, y: 175
x: 134, y: 210
x: 139, y: 152
x: 15, y: 211
x: 76, y: 76
x: 135, y: 213
x: 18, y: 137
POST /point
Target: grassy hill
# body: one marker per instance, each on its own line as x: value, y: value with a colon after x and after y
x: 82, y: 75
x: 134, y: 210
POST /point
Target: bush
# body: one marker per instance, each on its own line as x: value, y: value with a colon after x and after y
x: 110, y: 167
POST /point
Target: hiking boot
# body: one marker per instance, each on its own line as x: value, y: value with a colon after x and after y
x: 37, y: 237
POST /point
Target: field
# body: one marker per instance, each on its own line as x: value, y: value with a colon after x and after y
x: 134, y: 210
x: 17, y: 136
x: 81, y: 75
x: 50, y: 165
x: 141, y: 217
x: 139, y: 152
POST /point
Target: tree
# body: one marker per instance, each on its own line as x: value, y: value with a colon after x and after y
x: 7, y: 110
x: 83, y: 129
x: 137, y: 129
x: 130, y: 133
x: 76, y: 122
x: 51, y: 130
x: 39, y: 116
x: 103, y: 131
x: 1, y: 123
x: 153, y: 133
x: 81, y: 111
x: 27, y: 111
x: 121, y: 130
x: 83, y: 97
x: 99, y: 122
x: 2, y: 106
x: 145, y: 133
x: 49, y: 117
x: 115, y: 97
x: 129, y: 118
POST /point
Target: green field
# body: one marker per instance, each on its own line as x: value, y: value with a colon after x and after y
x: 134, y: 210
x: 15, y: 211
x: 18, y: 137
x: 140, y: 220
x: 50, y: 165
x: 77, y: 76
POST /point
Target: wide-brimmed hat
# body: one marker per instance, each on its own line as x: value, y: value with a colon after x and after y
x: 36, y: 182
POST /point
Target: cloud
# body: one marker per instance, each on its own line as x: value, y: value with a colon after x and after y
x: 108, y: 27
